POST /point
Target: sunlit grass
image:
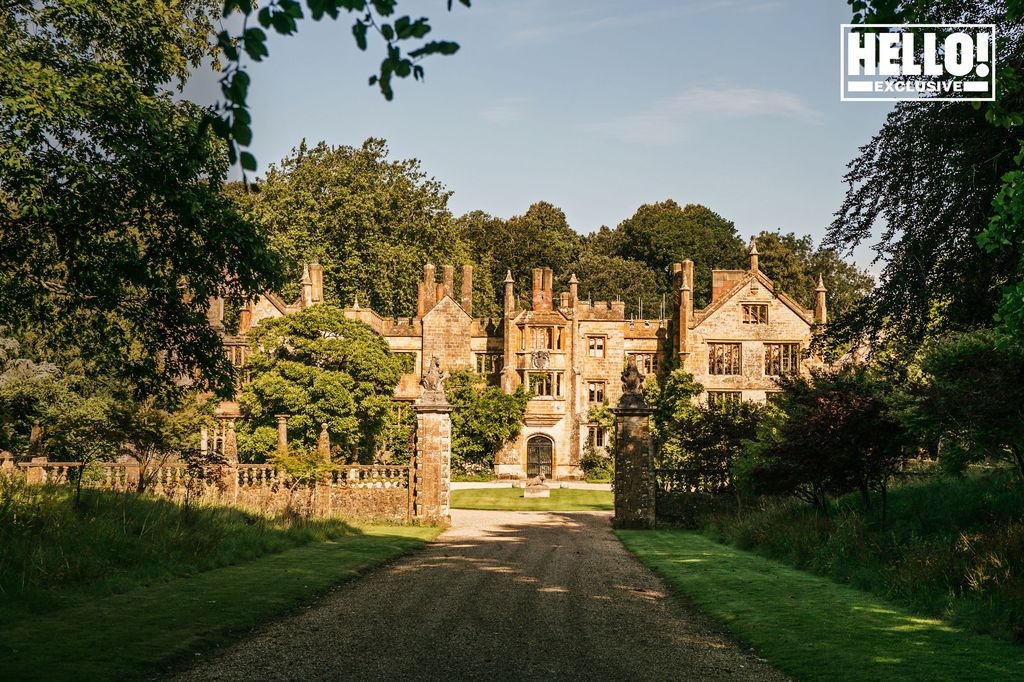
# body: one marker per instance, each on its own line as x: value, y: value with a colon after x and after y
x: 511, y: 499
x: 121, y: 585
x: 816, y: 629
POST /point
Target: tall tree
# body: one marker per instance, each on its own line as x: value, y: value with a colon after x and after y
x: 794, y: 265
x: 113, y: 226
x: 604, y: 277
x: 934, y: 206
x: 371, y: 221
x: 113, y: 230
x: 661, y: 234
x: 319, y: 367
x: 541, y: 237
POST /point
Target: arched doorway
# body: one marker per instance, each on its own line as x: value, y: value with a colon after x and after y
x: 538, y: 456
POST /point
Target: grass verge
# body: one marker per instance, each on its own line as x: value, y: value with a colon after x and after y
x: 136, y: 633
x: 813, y: 628
x: 951, y: 548
x: 511, y: 499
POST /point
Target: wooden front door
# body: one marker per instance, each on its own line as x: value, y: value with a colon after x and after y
x: 538, y: 456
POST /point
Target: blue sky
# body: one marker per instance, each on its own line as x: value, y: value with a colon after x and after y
x: 595, y: 106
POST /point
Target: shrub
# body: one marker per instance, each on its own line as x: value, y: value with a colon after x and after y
x: 968, y: 397
x: 828, y: 434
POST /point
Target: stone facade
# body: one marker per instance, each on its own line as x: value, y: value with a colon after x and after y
x: 570, y: 353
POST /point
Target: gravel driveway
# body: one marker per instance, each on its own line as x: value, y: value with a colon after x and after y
x: 500, y: 596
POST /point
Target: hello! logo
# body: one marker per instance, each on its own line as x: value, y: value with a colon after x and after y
x: 895, y: 62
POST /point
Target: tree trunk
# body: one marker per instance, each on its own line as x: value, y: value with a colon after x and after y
x: 884, y: 489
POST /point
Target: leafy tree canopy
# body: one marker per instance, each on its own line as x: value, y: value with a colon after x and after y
x: 662, y: 234
x: 794, y: 265
x: 947, y: 247
x: 319, y: 367
x: 372, y: 222
x: 603, y: 277
x: 113, y: 227
x: 484, y: 419
x: 541, y: 237
x: 969, y: 396
x: 828, y: 434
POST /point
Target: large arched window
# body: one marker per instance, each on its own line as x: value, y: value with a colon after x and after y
x: 539, y: 451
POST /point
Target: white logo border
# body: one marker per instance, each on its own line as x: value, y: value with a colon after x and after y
x: 842, y: 65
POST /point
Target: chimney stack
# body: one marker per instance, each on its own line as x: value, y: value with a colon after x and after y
x: 573, y: 290
x: 429, y: 288
x: 245, y: 319
x: 685, y: 298
x: 548, y: 288
x: 677, y: 284
x: 538, y: 288
x: 421, y: 300
x: 467, y: 289
x: 448, y: 279
x: 307, y: 287
x: 820, y: 310
x: 215, y: 312
x: 753, y: 256
x: 510, y: 299
x: 316, y: 276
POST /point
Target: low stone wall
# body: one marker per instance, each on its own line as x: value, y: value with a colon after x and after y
x: 362, y: 491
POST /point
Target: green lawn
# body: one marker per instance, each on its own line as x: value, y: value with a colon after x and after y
x: 813, y: 628
x: 132, y: 634
x: 511, y: 499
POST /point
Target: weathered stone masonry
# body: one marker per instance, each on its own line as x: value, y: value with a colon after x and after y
x: 570, y: 353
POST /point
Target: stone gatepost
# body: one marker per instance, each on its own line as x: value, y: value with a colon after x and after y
x: 282, y: 433
x: 433, y: 475
x: 634, y: 457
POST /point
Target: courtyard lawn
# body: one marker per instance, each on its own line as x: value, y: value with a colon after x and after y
x: 813, y: 628
x: 137, y: 633
x: 511, y: 499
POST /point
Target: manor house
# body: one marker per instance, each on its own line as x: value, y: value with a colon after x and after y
x: 570, y: 353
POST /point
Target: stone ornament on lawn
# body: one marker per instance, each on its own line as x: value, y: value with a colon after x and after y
x: 537, y: 488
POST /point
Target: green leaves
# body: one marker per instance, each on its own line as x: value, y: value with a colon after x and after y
x: 283, y: 16
x: 370, y: 220
x: 320, y: 367
x: 484, y: 418
x: 115, y: 230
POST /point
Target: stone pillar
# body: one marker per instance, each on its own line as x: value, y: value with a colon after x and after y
x: 433, y: 449
x: 282, y: 433
x: 231, y: 445
x: 634, y: 457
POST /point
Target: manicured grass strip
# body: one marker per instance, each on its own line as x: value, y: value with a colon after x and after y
x: 813, y: 628
x: 511, y: 499
x: 127, y: 636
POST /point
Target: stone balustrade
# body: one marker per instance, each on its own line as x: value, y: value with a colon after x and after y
x: 369, y: 491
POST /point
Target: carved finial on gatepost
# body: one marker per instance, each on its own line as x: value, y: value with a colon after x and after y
x: 433, y: 384
x: 632, y: 385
